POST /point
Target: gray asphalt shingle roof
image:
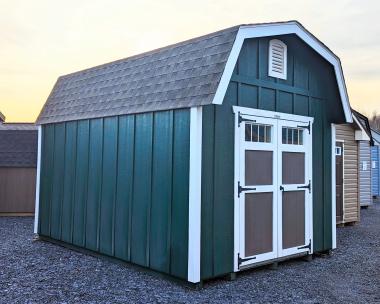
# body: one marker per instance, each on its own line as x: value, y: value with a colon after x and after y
x: 182, y: 75
x: 18, y: 145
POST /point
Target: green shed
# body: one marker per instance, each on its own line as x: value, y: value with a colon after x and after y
x: 199, y: 159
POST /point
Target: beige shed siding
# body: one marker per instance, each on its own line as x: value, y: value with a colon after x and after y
x: 351, y: 207
x: 365, y: 195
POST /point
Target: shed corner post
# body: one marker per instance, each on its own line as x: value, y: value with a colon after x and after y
x: 333, y: 185
x: 195, y: 175
x: 38, y: 178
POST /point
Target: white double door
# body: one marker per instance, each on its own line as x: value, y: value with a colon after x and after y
x: 274, y: 186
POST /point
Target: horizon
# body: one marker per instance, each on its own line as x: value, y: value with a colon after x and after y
x: 63, y: 38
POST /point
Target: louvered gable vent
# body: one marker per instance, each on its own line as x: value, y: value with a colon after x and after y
x: 277, y: 59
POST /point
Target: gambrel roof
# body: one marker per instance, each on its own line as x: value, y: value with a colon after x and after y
x: 192, y: 73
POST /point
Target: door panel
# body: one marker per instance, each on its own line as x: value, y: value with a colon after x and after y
x: 258, y: 195
x: 293, y: 219
x: 294, y: 203
x: 258, y: 223
x: 293, y: 164
x: 259, y: 167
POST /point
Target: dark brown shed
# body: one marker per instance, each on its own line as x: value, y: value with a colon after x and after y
x: 18, y: 162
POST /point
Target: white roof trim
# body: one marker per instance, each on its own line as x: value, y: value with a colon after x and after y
x: 363, y: 135
x: 283, y: 28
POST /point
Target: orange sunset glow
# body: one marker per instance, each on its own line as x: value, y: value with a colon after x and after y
x: 41, y: 39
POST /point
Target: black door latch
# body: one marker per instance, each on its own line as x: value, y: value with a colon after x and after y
x: 240, y: 260
x: 241, y: 189
x: 241, y: 119
x: 305, y: 127
x: 306, y: 187
x: 306, y: 246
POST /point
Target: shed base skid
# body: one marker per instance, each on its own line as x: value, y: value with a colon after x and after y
x: 195, y: 286
x: 273, y: 264
x: 16, y: 214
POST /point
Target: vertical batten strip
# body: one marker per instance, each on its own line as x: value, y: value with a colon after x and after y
x: 195, y: 174
x: 333, y: 186
x: 38, y: 176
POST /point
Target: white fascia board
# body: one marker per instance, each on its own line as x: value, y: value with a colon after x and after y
x: 333, y: 185
x: 195, y: 183
x: 274, y: 29
x: 360, y: 134
x: 38, y: 178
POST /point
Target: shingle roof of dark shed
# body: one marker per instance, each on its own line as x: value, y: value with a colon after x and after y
x: 182, y: 75
x: 18, y: 147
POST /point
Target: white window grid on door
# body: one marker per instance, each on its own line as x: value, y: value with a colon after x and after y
x: 265, y: 117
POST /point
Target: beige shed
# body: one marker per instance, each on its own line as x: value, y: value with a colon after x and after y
x: 350, y: 180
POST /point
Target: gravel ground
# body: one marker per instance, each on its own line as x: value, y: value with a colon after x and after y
x: 40, y: 272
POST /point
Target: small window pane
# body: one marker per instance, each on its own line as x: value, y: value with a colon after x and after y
x: 290, y: 137
x: 295, y: 137
x: 261, y: 133
x: 248, y: 132
x: 284, y: 132
x: 268, y: 134
x: 300, y: 137
x: 255, y: 133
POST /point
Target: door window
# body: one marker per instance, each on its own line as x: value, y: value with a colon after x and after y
x: 258, y: 133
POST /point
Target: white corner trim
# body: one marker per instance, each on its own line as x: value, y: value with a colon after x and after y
x: 194, y: 246
x: 360, y: 134
x: 273, y: 29
x: 38, y: 177
x: 333, y: 185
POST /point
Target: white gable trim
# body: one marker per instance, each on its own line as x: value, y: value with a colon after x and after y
x: 360, y: 134
x: 274, y: 29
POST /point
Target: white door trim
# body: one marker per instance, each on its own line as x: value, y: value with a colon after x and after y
x: 195, y: 184
x: 271, y: 115
x: 38, y: 178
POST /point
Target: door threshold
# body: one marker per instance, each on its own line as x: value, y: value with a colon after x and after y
x: 276, y: 260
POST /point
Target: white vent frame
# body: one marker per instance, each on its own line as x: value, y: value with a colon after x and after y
x: 276, y: 70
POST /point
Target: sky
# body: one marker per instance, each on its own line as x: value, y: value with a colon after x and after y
x: 43, y: 39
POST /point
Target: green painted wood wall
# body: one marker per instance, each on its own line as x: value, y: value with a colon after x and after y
x: 310, y: 90
x: 119, y: 186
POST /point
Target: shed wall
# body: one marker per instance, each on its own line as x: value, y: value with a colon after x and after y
x: 17, y: 190
x: 375, y: 170
x: 311, y: 90
x: 119, y: 186
x: 351, y: 205
x: 365, y: 167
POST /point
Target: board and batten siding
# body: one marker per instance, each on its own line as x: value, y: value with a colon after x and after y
x: 375, y: 170
x: 310, y: 90
x: 120, y: 186
x: 351, y: 206
x: 365, y: 195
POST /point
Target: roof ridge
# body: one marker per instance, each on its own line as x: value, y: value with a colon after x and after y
x: 154, y: 51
